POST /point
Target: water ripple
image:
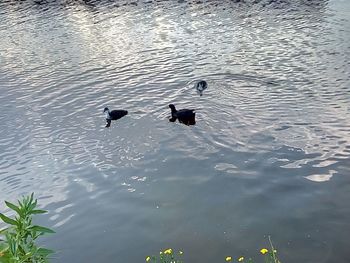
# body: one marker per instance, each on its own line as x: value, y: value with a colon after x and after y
x: 276, y: 109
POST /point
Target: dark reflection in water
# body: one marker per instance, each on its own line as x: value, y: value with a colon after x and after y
x: 269, y: 154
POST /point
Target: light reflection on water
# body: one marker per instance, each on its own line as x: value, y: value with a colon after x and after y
x: 269, y: 154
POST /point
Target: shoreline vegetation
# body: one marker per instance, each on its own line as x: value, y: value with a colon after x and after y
x: 170, y: 256
x: 18, y: 239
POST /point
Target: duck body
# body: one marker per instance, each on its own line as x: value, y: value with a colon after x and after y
x: 113, y: 115
x: 185, y: 116
x: 201, y: 86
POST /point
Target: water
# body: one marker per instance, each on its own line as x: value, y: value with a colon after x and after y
x: 269, y: 155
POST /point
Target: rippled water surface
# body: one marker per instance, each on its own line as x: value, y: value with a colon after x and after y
x: 269, y: 155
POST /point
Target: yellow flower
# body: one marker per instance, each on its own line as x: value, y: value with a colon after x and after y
x: 148, y: 259
x: 263, y: 251
x: 168, y: 251
x: 180, y: 252
x: 241, y: 259
x: 228, y: 259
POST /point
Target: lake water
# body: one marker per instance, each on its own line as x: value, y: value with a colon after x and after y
x: 269, y: 154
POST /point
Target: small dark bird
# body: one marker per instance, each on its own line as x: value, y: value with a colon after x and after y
x: 113, y: 115
x: 201, y: 86
x: 184, y: 116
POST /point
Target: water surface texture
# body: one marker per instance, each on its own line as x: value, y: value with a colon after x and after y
x: 269, y: 154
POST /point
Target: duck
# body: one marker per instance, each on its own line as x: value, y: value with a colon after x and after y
x: 113, y: 115
x: 185, y: 116
x: 201, y: 86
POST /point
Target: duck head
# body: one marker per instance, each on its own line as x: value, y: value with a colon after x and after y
x: 172, y: 107
x: 106, y: 112
x: 201, y: 86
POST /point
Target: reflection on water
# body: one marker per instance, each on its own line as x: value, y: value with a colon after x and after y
x: 269, y: 154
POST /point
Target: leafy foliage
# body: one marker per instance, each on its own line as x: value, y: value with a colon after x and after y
x: 19, y: 237
x: 166, y: 256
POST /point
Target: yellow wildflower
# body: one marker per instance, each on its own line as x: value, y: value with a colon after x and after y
x: 180, y: 252
x: 168, y: 251
x: 228, y: 259
x: 263, y: 251
x: 241, y: 259
x: 148, y: 259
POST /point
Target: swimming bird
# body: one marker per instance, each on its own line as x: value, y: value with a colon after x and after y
x: 113, y: 115
x: 201, y: 86
x: 185, y: 116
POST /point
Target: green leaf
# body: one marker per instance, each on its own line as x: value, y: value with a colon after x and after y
x: 14, y: 207
x: 20, y: 204
x: 6, y: 257
x: 8, y: 220
x: 32, y: 204
x: 3, y: 247
x: 38, y: 211
x: 44, y: 251
x: 3, y: 231
x: 21, y: 250
x: 12, y: 245
x: 41, y: 229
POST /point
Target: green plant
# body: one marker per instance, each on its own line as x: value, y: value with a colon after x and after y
x: 270, y: 255
x: 18, y: 245
x: 166, y: 256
